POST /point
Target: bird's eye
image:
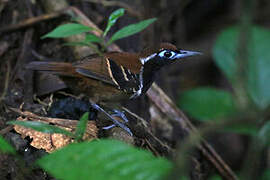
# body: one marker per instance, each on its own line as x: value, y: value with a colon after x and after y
x: 166, y: 54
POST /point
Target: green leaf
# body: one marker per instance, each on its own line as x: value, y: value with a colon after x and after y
x: 259, y: 67
x: 258, y: 70
x: 92, y: 38
x: 207, y: 103
x: 102, y: 160
x: 41, y: 127
x: 225, y: 54
x: 67, y: 30
x: 5, y: 147
x: 264, y: 134
x: 81, y: 126
x: 89, y: 38
x: 113, y: 18
x: 131, y: 29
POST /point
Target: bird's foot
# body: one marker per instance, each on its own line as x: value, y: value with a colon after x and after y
x: 116, y: 113
x: 121, y: 114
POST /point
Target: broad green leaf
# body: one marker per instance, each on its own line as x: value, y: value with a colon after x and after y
x: 5, y: 147
x: 89, y: 38
x: 264, y: 134
x: 258, y: 70
x: 92, y: 38
x: 81, y: 126
x: 131, y: 29
x: 102, y: 160
x: 225, y: 53
x: 41, y: 127
x: 259, y: 67
x: 67, y: 30
x: 207, y: 103
x: 113, y: 18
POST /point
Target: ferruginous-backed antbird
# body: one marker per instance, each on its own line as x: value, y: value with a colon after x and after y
x: 114, y: 76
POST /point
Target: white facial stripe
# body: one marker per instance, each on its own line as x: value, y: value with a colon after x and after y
x: 144, y: 60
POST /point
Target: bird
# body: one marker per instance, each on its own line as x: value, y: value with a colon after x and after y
x: 114, y: 76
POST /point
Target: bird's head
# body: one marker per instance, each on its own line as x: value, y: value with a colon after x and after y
x: 164, y: 54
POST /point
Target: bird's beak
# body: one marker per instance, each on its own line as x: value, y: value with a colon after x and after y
x: 184, y: 53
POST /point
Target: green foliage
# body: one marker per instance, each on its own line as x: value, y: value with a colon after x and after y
x: 91, y: 38
x: 258, y: 70
x: 67, y: 30
x: 131, y: 29
x: 70, y: 29
x: 259, y: 67
x: 104, y: 159
x: 207, y: 103
x: 266, y: 175
x: 225, y: 53
x: 247, y: 119
x: 81, y: 126
x: 41, y: 127
x: 113, y: 18
x: 5, y: 147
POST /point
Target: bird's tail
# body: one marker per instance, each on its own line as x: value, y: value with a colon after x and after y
x: 59, y: 68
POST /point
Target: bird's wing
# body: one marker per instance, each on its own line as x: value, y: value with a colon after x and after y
x: 115, y: 68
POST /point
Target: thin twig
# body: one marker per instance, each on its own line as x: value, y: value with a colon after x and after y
x: 57, y: 121
x: 154, y: 143
x: 6, y: 130
x: 32, y: 21
x: 6, y: 82
x: 165, y: 104
x: 144, y: 122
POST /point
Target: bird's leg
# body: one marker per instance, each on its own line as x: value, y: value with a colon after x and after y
x: 120, y: 114
x: 117, y: 113
x: 116, y: 123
